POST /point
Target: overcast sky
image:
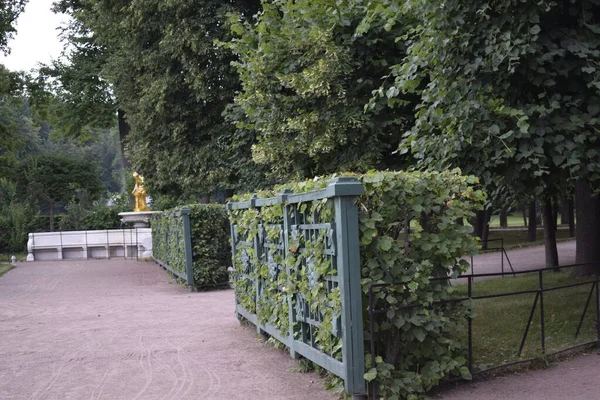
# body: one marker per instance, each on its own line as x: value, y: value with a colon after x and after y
x: 37, y: 37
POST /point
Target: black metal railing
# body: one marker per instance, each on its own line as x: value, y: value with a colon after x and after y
x: 470, y: 299
x: 500, y: 247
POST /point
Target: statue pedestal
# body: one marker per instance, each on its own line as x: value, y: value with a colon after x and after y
x: 140, y: 219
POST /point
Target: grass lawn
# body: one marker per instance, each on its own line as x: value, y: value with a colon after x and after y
x: 514, y: 220
x: 518, y: 238
x: 499, y: 323
x: 5, y: 257
x: 4, y: 268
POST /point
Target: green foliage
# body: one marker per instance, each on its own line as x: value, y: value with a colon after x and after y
x: 308, y: 266
x: 307, y: 70
x: 168, y: 244
x: 509, y: 90
x: 211, y: 252
x: 71, y: 93
x: 57, y: 178
x: 98, y: 216
x: 417, y: 347
x: 15, y: 219
x: 9, y: 12
x: 210, y: 243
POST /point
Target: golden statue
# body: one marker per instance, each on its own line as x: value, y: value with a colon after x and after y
x: 139, y: 192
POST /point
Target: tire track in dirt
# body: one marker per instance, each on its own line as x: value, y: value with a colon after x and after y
x: 100, y: 387
x: 185, y: 369
x: 145, y: 362
x: 58, y: 367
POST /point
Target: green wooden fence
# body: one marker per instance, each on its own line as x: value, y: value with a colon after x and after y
x: 297, y: 274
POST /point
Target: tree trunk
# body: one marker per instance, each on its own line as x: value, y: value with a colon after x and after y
x: 524, y: 212
x: 123, y: 133
x: 478, y: 226
x: 564, y: 210
x: 555, y: 207
x: 503, y: 218
x: 51, y: 214
x: 571, y: 212
x: 532, y: 228
x: 550, y: 234
x: 587, y: 229
x: 485, y: 233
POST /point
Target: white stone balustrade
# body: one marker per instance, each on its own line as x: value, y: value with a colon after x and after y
x: 73, y: 245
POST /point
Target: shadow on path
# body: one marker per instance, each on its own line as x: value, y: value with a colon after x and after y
x: 576, y: 379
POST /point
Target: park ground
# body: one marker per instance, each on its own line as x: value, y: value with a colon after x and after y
x: 120, y: 330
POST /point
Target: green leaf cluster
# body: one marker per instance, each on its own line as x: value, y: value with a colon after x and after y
x: 410, y: 231
x: 307, y: 68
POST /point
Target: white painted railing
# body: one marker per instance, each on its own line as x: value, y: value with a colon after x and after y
x: 72, y: 245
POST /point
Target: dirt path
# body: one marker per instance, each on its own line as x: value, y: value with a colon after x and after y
x: 117, y: 330
x: 576, y: 379
x: 522, y: 259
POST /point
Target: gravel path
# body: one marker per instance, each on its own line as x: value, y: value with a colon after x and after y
x: 523, y: 259
x: 118, y: 330
x: 576, y: 379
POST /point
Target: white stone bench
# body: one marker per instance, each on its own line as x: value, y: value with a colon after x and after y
x: 72, y: 245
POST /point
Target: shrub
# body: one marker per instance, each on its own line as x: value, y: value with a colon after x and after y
x: 211, y: 252
x: 410, y: 231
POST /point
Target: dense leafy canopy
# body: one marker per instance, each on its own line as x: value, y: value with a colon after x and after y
x: 509, y: 90
x: 56, y: 178
x: 307, y: 73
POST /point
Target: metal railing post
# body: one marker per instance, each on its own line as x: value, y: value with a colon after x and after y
x: 502, y: 255
x: 543, y: 332
x: 470, y: 325
x: 597, y: 310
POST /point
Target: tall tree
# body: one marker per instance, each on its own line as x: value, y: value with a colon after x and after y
x: 509, y: 90
x: 53, y: 179
x: 172, y: 85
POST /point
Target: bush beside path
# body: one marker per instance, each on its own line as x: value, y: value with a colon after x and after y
x: 119, y: 330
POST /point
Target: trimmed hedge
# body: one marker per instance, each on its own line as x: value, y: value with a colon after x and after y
x: 417, y: 346
x: 211, y: 251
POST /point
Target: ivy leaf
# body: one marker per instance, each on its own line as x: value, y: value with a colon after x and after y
x: 371, y: 374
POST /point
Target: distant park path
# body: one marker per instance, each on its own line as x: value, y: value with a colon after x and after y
x: 118, y: 330
x: 522, y: 259
x: 576, y: 379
